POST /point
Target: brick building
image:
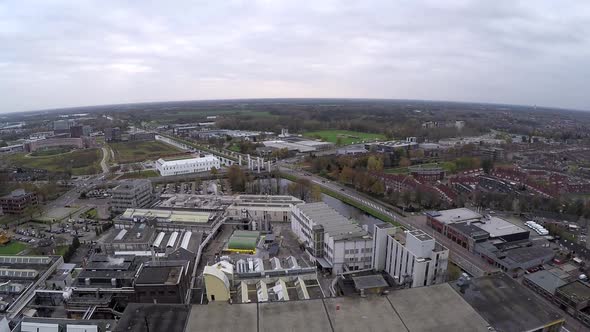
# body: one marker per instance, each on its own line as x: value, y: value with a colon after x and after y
x: 17, y: 201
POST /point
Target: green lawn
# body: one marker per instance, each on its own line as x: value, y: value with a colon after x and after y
x: 80, y: 162
x: 140, y: 175
x: 12, y: 248
x: 131, y: 152
x: 92, y: 214
x: 234, y: 148
x: 347, y: 137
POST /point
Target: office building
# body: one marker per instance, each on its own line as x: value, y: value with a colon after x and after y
x: 411, y: 258
x: 17, y: 201
x: 131, y: 194
x: 332, y: 241
x: 186, y: 166
x: 112, y: 134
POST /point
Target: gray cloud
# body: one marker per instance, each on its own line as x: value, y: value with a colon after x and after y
x: 70, y: 53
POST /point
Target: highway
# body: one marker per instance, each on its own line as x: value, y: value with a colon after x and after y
x: 470, y: 262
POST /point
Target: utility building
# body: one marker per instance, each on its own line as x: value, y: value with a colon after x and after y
x: 411, y: 258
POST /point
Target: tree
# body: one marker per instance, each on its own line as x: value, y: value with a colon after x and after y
x: 339, y: 141
x: 237, y: 178
x: 404, y: 162
x: 374, y: 164
x: 487, y: 165
x: 377, y: 188
x: 214, y: 171
x: 316, y: 193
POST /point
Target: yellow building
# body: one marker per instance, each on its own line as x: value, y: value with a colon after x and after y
x: 217, y: 283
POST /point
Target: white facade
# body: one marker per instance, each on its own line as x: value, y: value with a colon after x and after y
x: 331, y: 240
x: 186, y: 166
x: 263, y: 209
x: 410, y: 257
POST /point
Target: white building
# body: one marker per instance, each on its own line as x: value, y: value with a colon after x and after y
x: 185, y: 166
x: 410, y: 257
x: 332, y: 241
x: 262, y: 209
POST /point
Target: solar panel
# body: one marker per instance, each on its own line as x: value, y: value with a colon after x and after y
x: 24, y: 260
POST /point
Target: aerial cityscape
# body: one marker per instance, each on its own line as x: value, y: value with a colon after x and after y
x: 307, y: 181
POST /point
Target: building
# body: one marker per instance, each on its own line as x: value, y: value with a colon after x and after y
x: 17, y: 201
x: 457, y: 224
x: 436, y: 308
x: 138, y: 237
x: 187, y: 166
x: 76, y: 131
x: 131, y: 194
x: 574, y: 298
x: 170, y: 219
x: 262, y: 210
x: 142, y: 136
x: 163, y: 282
x: 61, y: 126
x: 427, y: 174
x: 509, y: 306
x: 78, y: 143
x: 411, y: 258
x: 332, y: 241
x: 392, y: 146
x: 493, y: 153
x: 112, y: 134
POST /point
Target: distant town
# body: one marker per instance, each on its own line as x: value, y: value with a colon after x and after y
x: 297, y: 215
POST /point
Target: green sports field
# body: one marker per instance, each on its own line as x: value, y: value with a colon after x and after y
x: 346, y: 137
x: 132, y: 152
x: 12, y: 248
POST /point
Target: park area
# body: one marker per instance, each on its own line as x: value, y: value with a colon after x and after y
x: 79, y: 162
x: 12, y: 248
x: 344, y: 137
x: 132, y: 152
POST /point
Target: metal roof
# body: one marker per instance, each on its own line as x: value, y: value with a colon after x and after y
x: 335, y: 224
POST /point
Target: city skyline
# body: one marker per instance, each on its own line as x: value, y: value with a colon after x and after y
x: 61, y: 54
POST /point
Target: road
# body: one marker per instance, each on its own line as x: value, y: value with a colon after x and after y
x: 105, y: 160
x: 462, y: 257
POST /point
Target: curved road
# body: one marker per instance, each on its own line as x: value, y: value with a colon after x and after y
x: 104, y: 161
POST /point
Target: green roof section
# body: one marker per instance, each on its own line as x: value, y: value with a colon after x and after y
x: 243, y: 240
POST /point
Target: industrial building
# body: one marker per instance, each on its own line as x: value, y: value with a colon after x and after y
x: 411, y: 258
x: 170, y: 220
x: 332, y: 241
x: 262, y: 210
x: 78, y: 143
x: 508, y: 306
x: 186, y: 166
x: 251, y: 279
x: 392, y: 146
x: 296, y: 144
x: 574, y: 298
x: 112, y: 134
x: 17, y: 201
x: 131, y: 194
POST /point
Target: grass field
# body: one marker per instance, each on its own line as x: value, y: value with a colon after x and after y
x: 140, y: 175
x: 12, y: 248
x: 131, y: 152
x: 347, y: 137
x: 80, y: 162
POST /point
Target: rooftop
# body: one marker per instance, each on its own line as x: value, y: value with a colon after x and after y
x: 577, y: 290
x: 335, y: 224
x: 546, y: 280
x: 470, y: 229
x: 168, y: 215
x: 498, y: 227
x: 370, y: 281
x: 507, y: 305
x: 157, y: 317
x: 174, y: 162
x: 456, y: 215
x: 168, y: 275
x: 435, y: 308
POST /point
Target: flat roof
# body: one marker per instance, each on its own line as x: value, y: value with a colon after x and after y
x: 174, y: 162
x: 308, y: 315
x: 469, y: 229
x: 335, y: 224
x: 373, y: 313
x: 158, y: 317
x: 457, y: 215
x: 168, y: 275
x: 577, y: 290
x: 507, y: 305
x: 436, y: 308
x: 546, y: 280
x: 498, y: 227
x: 370, y: 281
x: 170, y: 215
x: 214, y: 317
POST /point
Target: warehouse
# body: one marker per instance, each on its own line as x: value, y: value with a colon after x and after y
x: 243, y: 242
x: 186, y: 166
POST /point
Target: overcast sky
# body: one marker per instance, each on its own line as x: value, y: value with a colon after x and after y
x: 76, y: 53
